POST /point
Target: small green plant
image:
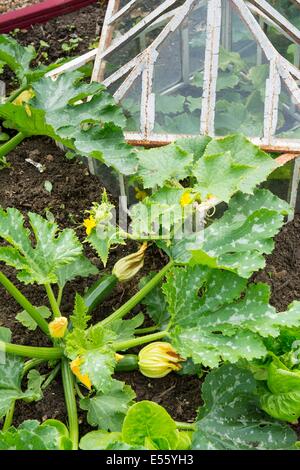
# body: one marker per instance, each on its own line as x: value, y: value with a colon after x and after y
x: 71, y: 45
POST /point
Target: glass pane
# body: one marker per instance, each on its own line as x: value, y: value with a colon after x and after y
x: 132, y: 48
x: 279, y: 181
x: 131, y: 104
x: 289, y: 9
x: 131, y: 18
x: 177, y: 91
x: 242, y: 74
x: 120, y: 57
x: 288, y: 125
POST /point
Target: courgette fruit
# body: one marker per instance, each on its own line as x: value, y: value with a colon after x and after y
x: 99, y: 291
x: 128, y: 363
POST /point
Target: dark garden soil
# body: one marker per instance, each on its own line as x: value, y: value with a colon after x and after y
x: 74, y: 189
x: 82, y: 26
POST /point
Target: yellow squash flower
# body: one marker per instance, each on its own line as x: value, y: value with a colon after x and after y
x: 23, y: 97
x: 83, y: 378
x: 126, y: 268
x: 58, y: 327
x: 158, y: 359
x: 186, y: 199
x: 140, y: 195
x: 118, y: 357
x: 89, y: 224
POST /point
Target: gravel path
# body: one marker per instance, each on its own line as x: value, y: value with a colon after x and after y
x: 8, y: 5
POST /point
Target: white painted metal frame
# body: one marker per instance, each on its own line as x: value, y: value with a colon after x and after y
x: 279, y: 69
x: 143, y: 64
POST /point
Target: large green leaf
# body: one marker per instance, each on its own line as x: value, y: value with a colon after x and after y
x: 80, y: 267
x: 239, y: 117
x: 11, y: 374
x: 80, y: 316
x: 215, y: 316
x: 30, y: 435
x: 155, y: 302
x: 195, y: 145
x: 99, y: 440
x: 62, y: 102
x: 239, y: 239
x: 107, y: 144
x: 18, y: 58
x: 147, y: 422
x: 160, y: 210
x: 125, y: 329
x: 104, y: 237
x: 94, y: 347
x: 230, y: 418
x: 26, y: 320
x: 99, y: 365
x: 157, y: 166
x: 229, y: 165
x: 108, y: 410
x: 25, y: 119
x: 51, y: 251
x: 281, y: 397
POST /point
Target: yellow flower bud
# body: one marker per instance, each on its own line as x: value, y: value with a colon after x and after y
x: 58, y: 327
x: 83, y: 378
x: 186, y: 199
x: 140, y: 195
x: 89, y: 224
x: 118, y: 357
x: 157, y: 359
x: 23, y: 97
x: 126, y: 268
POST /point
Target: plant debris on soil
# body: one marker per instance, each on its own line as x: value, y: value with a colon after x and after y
x: 9, y: 5
x: 84, y: 24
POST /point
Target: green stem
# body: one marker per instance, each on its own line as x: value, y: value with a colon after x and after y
x: 25, y: 304
x: 69, y: 390
x: 78, y: 391
x: 132, y: 343
x: 52, y: 300
x: 51, y: 376
x: 31, y: 364
x: 122, y: 311
x: 47, y: 354
x: 144, y: 331
x: 16, y: 93
x: 9, y: 417
x: 11, y: 144
x: 186, y: 426
x: 59, y: 296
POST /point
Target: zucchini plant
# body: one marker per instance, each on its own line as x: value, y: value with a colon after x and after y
x: 80, y: 115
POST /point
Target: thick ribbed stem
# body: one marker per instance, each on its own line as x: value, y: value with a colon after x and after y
x: 138, y: 297
x: 69, y: 389
x: 25, y: 304
x: 11, y: 144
